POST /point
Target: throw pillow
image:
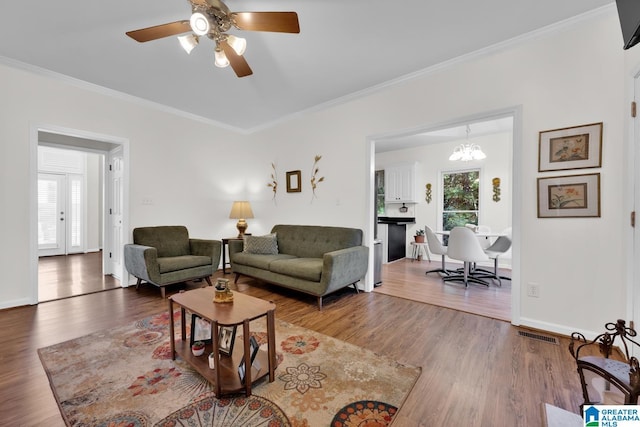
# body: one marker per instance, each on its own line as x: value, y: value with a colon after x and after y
x: 266, y: 245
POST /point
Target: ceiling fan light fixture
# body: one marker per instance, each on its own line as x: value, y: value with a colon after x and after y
x: 221, y: 58
x: 237, y: 43
x: 188, y: 42
x: 200, y: 23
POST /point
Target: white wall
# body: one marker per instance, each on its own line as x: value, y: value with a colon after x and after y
x: 192, y: 170
x: 572, y: 76
x: 185, y: 166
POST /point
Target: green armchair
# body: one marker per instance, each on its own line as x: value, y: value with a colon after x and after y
x: 165, y: 255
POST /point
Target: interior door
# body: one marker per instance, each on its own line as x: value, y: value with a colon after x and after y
x: 635, y: 149
x: 51, y: 214
x: 115, y: 212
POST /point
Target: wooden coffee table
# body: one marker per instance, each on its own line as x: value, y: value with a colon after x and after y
x: 241, y: 311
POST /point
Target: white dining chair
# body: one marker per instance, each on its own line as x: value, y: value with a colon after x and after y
x: 464, y: 246
x: 498, y: 248
x: 485, y: 241
x: 437, y: 248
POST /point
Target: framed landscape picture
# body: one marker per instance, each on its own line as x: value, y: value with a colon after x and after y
x: 253, y: 348
x: 200, y: 329
x: 226, y: 339
x: 572, y: 196
x: 577, y: 147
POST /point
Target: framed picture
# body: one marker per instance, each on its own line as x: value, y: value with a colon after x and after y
x: 577, y: 147
x: 200, y: 329
x: 294, y: 182
x: 226, y: 339
x: 253, y: 348
x: 572, y: 196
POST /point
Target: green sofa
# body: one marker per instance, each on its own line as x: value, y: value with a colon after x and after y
x: 164, y: 255
x: 316, y: 260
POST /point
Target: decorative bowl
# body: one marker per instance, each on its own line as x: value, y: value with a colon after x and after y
x: 197, y: 348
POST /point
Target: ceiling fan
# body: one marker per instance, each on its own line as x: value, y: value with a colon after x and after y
x: 212, y: 18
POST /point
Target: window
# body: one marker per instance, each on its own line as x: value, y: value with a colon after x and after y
x: 460, y: 192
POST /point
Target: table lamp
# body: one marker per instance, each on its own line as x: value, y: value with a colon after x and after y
x: 240, y: 211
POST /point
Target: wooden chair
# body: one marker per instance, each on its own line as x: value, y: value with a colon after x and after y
x: 607, y: 381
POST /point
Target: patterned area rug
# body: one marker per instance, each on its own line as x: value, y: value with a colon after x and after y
x: 125, y: 377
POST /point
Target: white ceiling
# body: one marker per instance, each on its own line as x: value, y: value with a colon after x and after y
x: 455, y: 132
x: 344, y: 47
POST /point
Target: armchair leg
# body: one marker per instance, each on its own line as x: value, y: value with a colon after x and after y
x: 208, y: 279
x: 236, y: 279
x: 320, y: 303
x: 138, y: 283
x: 355, y: 286
x: 162, y: 292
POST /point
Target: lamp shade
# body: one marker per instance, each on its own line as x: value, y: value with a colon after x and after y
x: 221, y: 61
x: 188, y: 42
x: 241, y: 210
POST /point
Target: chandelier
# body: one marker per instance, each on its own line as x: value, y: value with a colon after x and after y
x: 467, y: 152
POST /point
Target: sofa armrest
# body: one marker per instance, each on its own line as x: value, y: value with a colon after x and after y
x: 235, y: 246
x: 142, y: 262
x: 344, y: 266
x: 210, y: 248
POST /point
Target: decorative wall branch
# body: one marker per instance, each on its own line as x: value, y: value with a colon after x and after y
x: 314, y: 180
x: 274, y: 183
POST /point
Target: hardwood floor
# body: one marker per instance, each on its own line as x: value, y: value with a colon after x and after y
x: 70, y: 275
x: 476, y: 371
x: 406, y: 278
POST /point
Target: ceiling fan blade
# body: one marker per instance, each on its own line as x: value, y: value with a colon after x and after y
x: 281, y: 22
x: 159, y: 31
x: 237, y: 62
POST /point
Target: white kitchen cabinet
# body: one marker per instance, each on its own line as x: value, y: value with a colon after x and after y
x: 400, y: 183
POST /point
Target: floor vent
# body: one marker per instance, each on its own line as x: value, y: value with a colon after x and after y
x: 539, y: 337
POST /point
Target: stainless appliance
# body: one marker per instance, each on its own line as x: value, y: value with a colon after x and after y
x: 396, y: 235
x: 377, y: 262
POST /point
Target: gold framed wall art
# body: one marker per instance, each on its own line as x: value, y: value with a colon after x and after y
x: 576, y: 147
x: 571, y: 196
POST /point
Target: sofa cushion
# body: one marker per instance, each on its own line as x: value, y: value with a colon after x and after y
x: 313, y: 241
x: 262, y: 261
x: 302, y: 268
x: 267, y: 244
x: 175, y: 263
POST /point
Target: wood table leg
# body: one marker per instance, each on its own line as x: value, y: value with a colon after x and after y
x: 247, y: 356
x: 172, y: 330
x: 271, y: 343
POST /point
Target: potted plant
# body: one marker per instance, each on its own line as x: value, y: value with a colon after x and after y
x: 419, y: 237
x: 197, y: 348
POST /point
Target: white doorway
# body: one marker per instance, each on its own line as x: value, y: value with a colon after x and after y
x: 438, y: 132
x: 70, y: 239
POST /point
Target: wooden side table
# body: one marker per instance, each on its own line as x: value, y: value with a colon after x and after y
x: 241, y: 311
x: 417, y: 250
x: 225, y: 244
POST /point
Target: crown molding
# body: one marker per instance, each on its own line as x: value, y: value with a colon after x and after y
x: 81, y: 84
x: 489, y: 50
